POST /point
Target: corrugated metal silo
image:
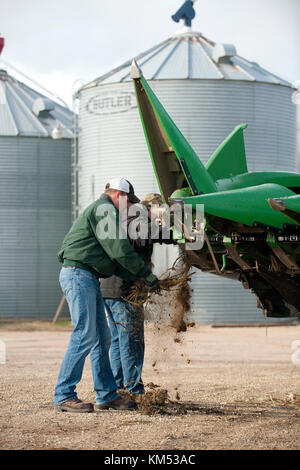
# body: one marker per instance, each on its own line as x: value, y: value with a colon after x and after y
x: 208, y: 89
x: 35, y: 195
x: 298, y: 136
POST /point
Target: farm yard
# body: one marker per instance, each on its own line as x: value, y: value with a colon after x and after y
x: 207, y: 388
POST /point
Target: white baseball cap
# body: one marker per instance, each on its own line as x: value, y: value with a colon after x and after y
x: 121, y: 184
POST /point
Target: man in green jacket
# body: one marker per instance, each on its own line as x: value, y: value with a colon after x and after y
x: 95, y: 247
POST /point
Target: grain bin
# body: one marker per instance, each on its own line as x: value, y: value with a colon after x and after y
x: 35, y: 195
x: 208, y: 89
x: 298, y: 136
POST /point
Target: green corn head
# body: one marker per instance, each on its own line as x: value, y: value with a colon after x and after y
x: 252, y: 231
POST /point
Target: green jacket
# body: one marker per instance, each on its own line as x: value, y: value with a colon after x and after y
x: 103, y: 257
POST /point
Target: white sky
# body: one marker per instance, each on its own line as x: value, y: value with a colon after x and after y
x: 60, y: 42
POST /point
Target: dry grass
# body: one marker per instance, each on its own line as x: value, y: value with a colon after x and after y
x: 141, y: 293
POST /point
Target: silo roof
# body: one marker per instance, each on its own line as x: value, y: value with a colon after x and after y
x: 26, y: 112
x: 189, y: 55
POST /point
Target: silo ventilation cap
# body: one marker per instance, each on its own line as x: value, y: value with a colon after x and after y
x: 223, y: 52
x: 40, y: 105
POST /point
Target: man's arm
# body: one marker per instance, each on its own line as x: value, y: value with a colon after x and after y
x: 117, y: 246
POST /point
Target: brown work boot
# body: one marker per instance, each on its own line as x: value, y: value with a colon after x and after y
x: 75, y: 406
x: 118, y: 404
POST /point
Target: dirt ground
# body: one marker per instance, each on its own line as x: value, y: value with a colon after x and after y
x: 230, y: 388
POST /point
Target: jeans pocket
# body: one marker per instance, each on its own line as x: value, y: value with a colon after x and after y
x: 66, y: 283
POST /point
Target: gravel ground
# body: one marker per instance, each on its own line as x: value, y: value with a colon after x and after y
x: 239, y: 385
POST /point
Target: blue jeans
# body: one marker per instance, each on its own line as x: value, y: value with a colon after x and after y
x: 90, y: 336
x: 127, y: 344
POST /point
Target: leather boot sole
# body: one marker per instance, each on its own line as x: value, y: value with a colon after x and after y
x: 73, y: 410
x: 113, y: 407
